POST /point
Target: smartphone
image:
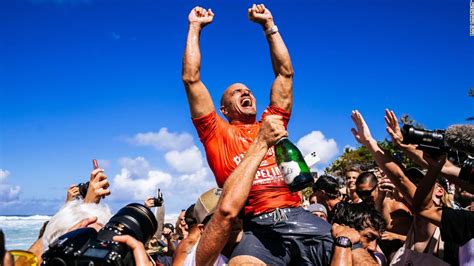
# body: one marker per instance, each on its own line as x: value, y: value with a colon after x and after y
x: 95, y: 164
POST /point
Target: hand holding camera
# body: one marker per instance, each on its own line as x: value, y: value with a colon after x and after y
x: 72, y: 192
x: 98, y: 186
x: 155, y: 201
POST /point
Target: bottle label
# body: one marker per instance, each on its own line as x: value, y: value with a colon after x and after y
x: 289, y: 170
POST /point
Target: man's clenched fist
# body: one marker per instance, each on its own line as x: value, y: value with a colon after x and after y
x: 200, y: 16
x: 261, y: 15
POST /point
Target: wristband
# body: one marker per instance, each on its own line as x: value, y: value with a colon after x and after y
x: 273, y: 29
x: 343, y: 242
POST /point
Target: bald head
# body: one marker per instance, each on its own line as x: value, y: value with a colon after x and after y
x: 229, y: 89
x: 238, y: 104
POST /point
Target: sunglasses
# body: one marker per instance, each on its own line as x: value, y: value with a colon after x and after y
x: 364, y: 194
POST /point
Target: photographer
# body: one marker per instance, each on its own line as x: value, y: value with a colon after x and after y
x: 449, y: 170
x: 157, y: 202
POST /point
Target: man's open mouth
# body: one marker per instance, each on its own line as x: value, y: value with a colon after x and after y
x: 246, y: 102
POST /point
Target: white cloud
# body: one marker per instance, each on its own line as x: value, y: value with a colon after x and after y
x: 8, y: 193
x: 137, y: 167
x: 137, y: 183
x: 139, y: 180
x: 187, y: 161
x: 163, y: 140
x: 316, y: 141
x: 4, y: 174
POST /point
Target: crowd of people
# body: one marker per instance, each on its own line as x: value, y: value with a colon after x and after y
x: 383, y: 215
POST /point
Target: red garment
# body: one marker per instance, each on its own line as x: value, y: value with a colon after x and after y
x: 225, y: 146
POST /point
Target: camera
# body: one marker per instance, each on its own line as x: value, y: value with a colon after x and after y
x: 430, y: 140
x: 467, y: 170
x: 158, y: 200
x: 85, y: 246
x: 83, y: 187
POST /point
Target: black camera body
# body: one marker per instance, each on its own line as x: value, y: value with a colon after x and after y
x: 83, y: 187
x: 87, y: 247
x: 158, y: 202
x: 432, y: 141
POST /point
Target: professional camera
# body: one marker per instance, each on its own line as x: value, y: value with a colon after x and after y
x: 85, y: 246
x: 429, y: 140
x: 456, y: 137
x: 83, y: 187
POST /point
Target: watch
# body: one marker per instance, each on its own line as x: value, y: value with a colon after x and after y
x: 342, y: 241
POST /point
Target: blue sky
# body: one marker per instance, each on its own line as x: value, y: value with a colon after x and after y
x: 84, y: 79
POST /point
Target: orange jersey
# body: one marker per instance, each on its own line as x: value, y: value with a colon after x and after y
x: 226, y: 145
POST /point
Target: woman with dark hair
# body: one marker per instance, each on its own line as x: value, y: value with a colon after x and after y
x: 6, y: 259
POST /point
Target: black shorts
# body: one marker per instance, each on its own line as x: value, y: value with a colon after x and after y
x: 287, y: 236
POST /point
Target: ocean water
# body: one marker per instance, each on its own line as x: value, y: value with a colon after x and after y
x: 21, y: 231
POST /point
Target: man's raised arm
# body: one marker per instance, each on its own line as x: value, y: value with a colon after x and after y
x: 281, y: 94
x: 200, y: 101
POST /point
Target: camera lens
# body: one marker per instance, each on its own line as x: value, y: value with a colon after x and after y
x: 136, y: 220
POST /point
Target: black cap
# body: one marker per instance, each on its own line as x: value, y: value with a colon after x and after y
x: 169, y: 226
x: 328, y: 184
x: 442, y: 182
x: 189, y: 216
x: 415, y: 174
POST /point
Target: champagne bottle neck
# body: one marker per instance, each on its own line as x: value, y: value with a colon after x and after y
x: 280, y: 140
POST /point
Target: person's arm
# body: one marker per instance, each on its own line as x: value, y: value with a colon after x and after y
x: 343, y: 255
x: 393, y: 236
x: 384, y: 161
x: 235, y: 192
x: 199, y: 99
x: 449, y: 170
x: 282, y: 88
x: 423, y: 204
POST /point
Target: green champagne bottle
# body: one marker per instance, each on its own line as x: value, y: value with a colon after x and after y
x: 292, y: 165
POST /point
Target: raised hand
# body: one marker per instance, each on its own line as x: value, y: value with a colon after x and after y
x: 98, y: 186
x: 385, y: 185
x: 149, y: 202
x: 272, y: 130
x: 261, y: 15
x: 72, y: 192
x: 362, y: 134
x: 393, y: 129
x: 200, y: 16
